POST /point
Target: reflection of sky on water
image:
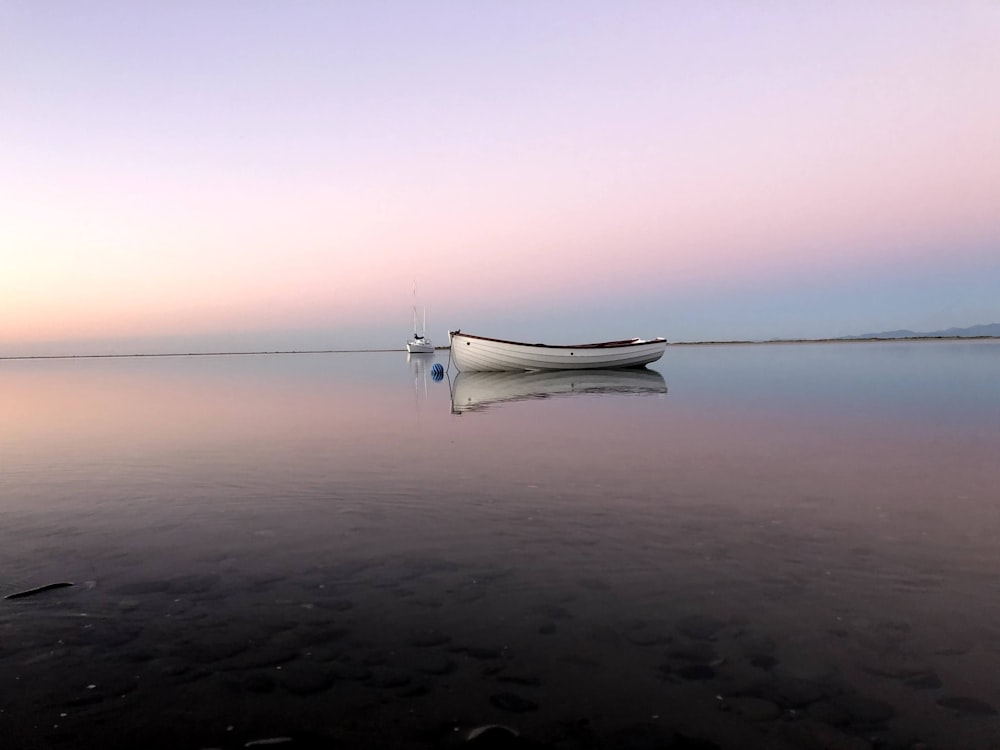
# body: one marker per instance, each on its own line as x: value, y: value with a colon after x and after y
x: 900, y: 382
x: 863, y: 423
x: 302, y: 414
x: 799, y: 489
x: 263, y: 422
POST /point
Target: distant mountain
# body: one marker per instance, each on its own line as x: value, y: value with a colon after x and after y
x: 989, y: 329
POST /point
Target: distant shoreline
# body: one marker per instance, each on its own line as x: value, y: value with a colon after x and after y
x: 194, y: 354
x: 865, y: 340
x: 445, y: 348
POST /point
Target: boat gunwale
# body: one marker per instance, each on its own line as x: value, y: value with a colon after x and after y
x: 599, y: 345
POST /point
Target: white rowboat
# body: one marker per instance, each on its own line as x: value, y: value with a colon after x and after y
x: 479, y: 353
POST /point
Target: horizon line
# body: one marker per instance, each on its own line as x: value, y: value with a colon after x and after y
x: 831, y: 340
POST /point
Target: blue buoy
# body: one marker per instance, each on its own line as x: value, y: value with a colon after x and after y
x: 437, y: 371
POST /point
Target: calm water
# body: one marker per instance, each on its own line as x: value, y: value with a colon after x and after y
x: 772, y: 546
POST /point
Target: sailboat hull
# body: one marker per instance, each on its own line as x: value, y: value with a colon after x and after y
x: 419, y: 347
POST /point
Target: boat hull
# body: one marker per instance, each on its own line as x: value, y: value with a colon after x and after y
x: 481, y: 354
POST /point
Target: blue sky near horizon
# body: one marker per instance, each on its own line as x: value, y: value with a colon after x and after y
x: 232, y: 175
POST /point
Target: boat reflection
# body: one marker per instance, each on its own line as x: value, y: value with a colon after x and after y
x: 475, y: 391
x: 420, y: 365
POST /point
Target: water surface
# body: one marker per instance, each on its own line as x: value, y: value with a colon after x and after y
x: 780, y: 546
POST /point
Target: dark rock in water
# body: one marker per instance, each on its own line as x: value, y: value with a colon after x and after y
x: 891, y: 737
x: 62, y: 736
x: 258, y: 682
x: 390, y: 678
x: 696, y: 672
x: 140, y: 656
x: 306, y: 678
x: 552, y: 611
x: 807, y: 665
x: 697, y: 652
x: 894, y: 627
x: 701, y: 627
x: 413, y: 690
x: 893, y: 666
x: 376, y: 657
x: 437, y: 734
x: 492, y: 668
x: 547, y: 629
x: 970, y: 706
x: 580, y: 660
x: 683, y: 742
x: 350, y: 670
x: 755, y: 709
x: 864, y: 710
x: 797, y: 693
x: 527, y: 680
x: 495, y: 738
x: 758, y: 644
x: 429, y: 603
x: 467, y: 594
x: 829, y: 713
x: 808, y: 734
x: 763, y: 661
x: 513, y: 703
x: 429, y: 639
x: 923, y: 681
x: 646, y: 638
x: 435, y: 665
x: 641, y: 737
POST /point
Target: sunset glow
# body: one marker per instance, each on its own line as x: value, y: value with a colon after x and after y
x: 278, y: 177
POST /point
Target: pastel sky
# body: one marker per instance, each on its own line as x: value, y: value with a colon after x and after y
x: 195, y: 176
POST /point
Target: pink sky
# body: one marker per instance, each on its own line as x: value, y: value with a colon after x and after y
x: 636, y: 168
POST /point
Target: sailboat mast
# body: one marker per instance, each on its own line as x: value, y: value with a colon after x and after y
x: 414, y: 308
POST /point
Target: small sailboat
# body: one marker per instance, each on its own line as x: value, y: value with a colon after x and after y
x: 419, y: 344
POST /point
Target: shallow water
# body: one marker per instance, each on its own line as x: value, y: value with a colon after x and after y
x: 767, y: 546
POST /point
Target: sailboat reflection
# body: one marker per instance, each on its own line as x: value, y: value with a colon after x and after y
x: 474, y: 391
x: 419, y: 365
